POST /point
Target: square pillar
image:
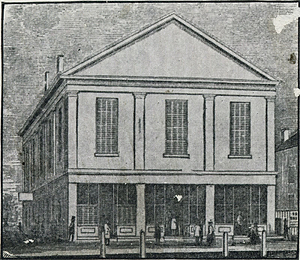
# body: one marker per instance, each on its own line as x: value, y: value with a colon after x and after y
x: 270, y: 133
x: 72, y: 129
x: 209, y: 205
x: 209, y: 132
x: 139, y: 130
x: 73, y: 205
x: 271, y: 209
x: 140, y: 209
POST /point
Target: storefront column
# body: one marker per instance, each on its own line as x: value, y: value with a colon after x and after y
x: 209, y: 132
x: 73, y: 205
x: 271, y: 209
x: 209, y: 205
x: 140, y: 209
x: 270, y: 132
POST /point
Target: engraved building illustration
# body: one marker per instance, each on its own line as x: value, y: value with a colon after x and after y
x: 167, y: 124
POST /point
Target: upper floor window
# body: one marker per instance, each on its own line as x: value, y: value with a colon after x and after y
x: 50, y: 144
x: 240, y: 136
x: 291, y: 201
x: 59, y: 133
x: 106, y: 127
x: 291, y: 174
x: 176, y: 128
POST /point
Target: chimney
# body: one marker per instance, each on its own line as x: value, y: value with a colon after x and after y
x: 60, y: 63
x: 46, y: 80
x: 285, y: 135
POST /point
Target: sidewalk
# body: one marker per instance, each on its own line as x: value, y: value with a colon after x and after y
x: 132, y: 248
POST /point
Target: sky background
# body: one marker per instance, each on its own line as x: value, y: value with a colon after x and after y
x: 35, y: 34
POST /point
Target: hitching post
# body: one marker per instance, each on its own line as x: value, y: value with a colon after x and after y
x: 142, y: 245
x: 264, y: 243
x: 102, y: 245
x: 225, y: 244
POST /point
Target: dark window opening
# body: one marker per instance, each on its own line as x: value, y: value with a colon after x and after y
x: 106, y: 126
x: 240, y: 137
x: 176, y: 128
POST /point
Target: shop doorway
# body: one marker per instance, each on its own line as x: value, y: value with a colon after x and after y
x: 176, y: 208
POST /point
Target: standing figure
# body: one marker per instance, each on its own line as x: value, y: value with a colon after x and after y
x: 239, y: 224
x: 157, y: 233
x: 173, y: 226
x: 35, y: 230
x: 210, y: 234
x: 254, y: 236
x: 285, y: 230
x: 198, y: 234
x: 72, y: 229
x: 107, y: 233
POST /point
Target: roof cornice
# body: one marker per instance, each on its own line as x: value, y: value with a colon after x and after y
x: 172, y: 80
x: 57, y: 81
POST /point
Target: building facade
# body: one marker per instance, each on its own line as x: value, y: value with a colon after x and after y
x: 287, y: 185
x: 165, y: 124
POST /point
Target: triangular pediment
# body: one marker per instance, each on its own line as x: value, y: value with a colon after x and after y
x: 170, y: 48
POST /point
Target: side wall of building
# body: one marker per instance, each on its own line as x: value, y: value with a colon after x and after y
x: 287, y: 179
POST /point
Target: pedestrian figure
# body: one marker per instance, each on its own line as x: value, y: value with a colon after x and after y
x: 210, y: 234
x: 22, y: 233
x: 198, y: 235
x: 254, y: 236
x: 107, y: 233
x: 72, y: 229
x: 157, y: 233
x: 239, y: 224
x: 42, y: 232
x: 35, y: 230
x: 285, y: 230
x: 173, y: 226
x: 53, y: 230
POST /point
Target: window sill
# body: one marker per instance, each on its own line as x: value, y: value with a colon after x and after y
x: 239, y: 156
x: 184, y: 156
x: 106, y: 154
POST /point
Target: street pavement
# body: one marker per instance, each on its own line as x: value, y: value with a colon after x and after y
x: 132, y: 248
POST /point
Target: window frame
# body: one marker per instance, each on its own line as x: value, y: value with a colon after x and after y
x: 101, y: 153
x: 185, y: 153
x: 231, y: 142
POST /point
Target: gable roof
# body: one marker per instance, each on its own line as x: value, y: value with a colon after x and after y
x: 289, y: 143
x: 128, y: 57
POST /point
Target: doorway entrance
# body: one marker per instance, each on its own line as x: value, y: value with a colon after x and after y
x: 176, y: 208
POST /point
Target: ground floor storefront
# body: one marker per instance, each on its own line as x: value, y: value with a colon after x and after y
x: 129, y: 208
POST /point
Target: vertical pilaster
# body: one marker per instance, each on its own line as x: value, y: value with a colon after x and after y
x: 73, y: 205
x: 72, y: 129
x: 209, y: 132
x: 270, y: 133
x: 271, y: 209
x: 139, y: 130
x: 209, y: 205
x: 140, y: 209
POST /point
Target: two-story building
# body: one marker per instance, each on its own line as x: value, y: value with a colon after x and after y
x: 287, y: 184
x: 165, y: 124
